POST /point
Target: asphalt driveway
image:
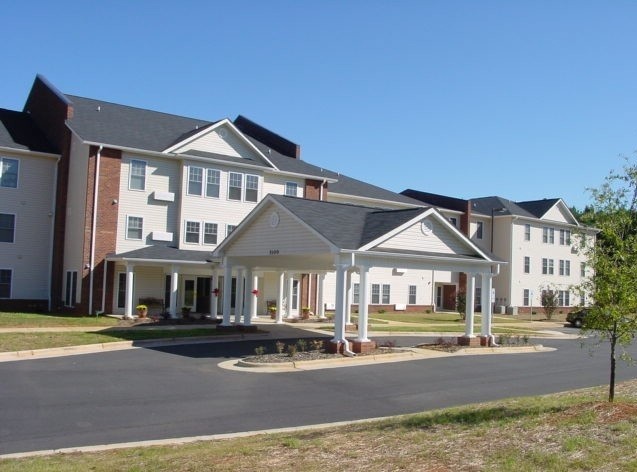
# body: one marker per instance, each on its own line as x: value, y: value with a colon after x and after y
x: 178, y: 391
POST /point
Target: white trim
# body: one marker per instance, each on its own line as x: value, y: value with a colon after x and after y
x: 205, y: 189
x: 198, y: 232
x: 11, y: 271
x: 201, y: 192
x: 203, y: 233
x: 130, y: 174
x: 296, y: 188
x: 370, y: 199
x: 241, y: 187
x: 27, y: 152
x: 126, y: 230
x: 245, y: 188
x: 17, y: 178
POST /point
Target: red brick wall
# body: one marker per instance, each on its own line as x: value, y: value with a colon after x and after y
x: 313, y: 189
x: 106, y: 227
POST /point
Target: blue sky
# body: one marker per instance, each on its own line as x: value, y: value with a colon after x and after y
x: 525, y: 100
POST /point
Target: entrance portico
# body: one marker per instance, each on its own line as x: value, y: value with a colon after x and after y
x: 292, y: 235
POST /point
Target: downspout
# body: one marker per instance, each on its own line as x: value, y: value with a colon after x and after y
x: 52, y: 235
x: 321, y: 190
x: 93, y: 229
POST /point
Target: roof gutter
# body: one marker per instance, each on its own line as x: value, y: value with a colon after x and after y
x: 159, y: 261
x: 29, y: 152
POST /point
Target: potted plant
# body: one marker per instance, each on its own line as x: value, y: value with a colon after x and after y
x: 306, y: 312
x: 185, y: 312
x: 142, y: 311
x: 272, y: 311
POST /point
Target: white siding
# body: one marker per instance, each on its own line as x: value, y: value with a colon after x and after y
x: 31, y: 202
x: 558, y: 214
x: 288, y: 237
x: 75, y: 211
x: 440, y: 240
x: 161, y: 175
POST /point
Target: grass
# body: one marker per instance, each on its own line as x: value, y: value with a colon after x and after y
x: 27, y: 341
x: 571, y: 431
x: 47, y: 320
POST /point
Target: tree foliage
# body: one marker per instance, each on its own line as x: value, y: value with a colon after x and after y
x: 613, y: 280
x: 461, y: 304
x: 549, y: 302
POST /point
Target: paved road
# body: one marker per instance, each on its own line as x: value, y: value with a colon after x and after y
x: 147, y: 394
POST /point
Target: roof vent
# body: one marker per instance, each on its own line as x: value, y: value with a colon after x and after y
x: 99, y: 108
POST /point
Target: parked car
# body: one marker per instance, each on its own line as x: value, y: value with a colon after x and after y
x: 576, y: 318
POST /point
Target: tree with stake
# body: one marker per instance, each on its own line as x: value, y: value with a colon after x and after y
x: 613, y: 281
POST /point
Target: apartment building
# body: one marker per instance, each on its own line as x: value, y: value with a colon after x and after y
x: 137, y: 202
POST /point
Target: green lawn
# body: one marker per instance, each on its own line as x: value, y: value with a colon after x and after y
x: 405, y: 317
x: 26, y: 341
x: 572, y: 431
x: 39, y: 320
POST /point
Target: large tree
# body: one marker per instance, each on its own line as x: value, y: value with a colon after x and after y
x: 613, y: 259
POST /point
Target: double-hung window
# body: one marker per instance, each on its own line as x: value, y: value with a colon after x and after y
x: 134, y: 227
x: 230, y: 229
x: 235, y: 186
x: 548, y: 235
x: 565, y: 237
x: 192, y: 231
x: 479, y: 230
x: 213, y: 183
x: 478, y: 300
x: 527, y: 265
x: 527, y: 232
x: 412, y: 294
x: 7, y: 228
x: 527, y: 297
x: 210, y: 233
x: 9, y: 172
x: 252, y: 188
x: 563, y: 297
x: 356, y: 293
x: 386, y: 290
x: 582, y: 269
x: 195, y: 179
x: 565, y: 267
x: 137, y: 179
x: 291, y: 189
x: 375, y: 294
x: 547, y: 266
x: 5, y: 283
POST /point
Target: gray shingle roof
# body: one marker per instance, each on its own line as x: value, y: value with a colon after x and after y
x: 166, y: 253
x: 18, y: 131
x: 347, y: 226
x: 121, y: 125
x: 539, y: 207
x: 485, y: 205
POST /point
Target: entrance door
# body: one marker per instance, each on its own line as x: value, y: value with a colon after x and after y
x: 204, y: 287
x: 189, y: 293
x: 449, y: 297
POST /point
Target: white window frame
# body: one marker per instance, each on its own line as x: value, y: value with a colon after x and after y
x: 548, y: 235
x: 478, y: 296
x: 582, y: 269
x: 527, y: 264
x: 240, y: 187
x: 356, y: 289
x: 17, y: 177
x: 375, y: 294
x: 385, y: 294
x: 128, y: 217
x: 479, y: 229
x: 186, y: 232
x: 15, y: 224
x: 248, y: 177
x: 230, y: 229
x: 10, y: 283
x: 527, y: 232
x: 548, y: 266
x: 120, y: 288
x: 454, y: 221
x: 526, y: 297
x: 192, y: 169
x: 131, y: 175
x: 565, y: 237
x: 216, y: 233
x: 288, y: 188
x: 412, y: 291
x: 216, y: 172
x: 564, y: 298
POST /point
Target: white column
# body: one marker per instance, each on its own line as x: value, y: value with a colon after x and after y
x: 339, y: 314
x: 348, y: 299
x: 255, y: 300
x: 363, y: 303
x: 174, y: 290
x: 487, y: 304
x: 214, y: 299
x: 250, y: 299
x: 239, y: 296
x: 280, y: 299
x: 227, y: 293
x: 128, y: 307
x: 471, y: 290
x: 320, y: 282
x: 288, y: 311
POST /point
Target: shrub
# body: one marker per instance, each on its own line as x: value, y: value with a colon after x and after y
x: 316, y: 344
x: 279, y: 347
x: 259, y: 351
x: 302, y: 345
x: 291, y: 350
x: 525, y: 339
x: 381, y: 311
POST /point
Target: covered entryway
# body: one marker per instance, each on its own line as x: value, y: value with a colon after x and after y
x: 290, y: 236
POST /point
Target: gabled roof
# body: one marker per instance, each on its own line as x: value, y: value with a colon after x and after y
x: 18, y: 131
x: 538, y: 208
x: 499, y: 206
x: 436, y: 200
x: 120, y: 125
x: 346, y: 226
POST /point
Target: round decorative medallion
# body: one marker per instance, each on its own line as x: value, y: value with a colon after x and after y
x: 222, y: 132
x: 274, y: 219
x: 426, y: 227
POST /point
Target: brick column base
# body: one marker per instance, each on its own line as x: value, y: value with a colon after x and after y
x: 363, y: 347
x: 470, y: 342
x: 484, y: 341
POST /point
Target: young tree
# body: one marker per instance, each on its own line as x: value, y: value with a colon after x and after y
x: 461, y: 305
x: 613, y: 283
x: 549, y: 302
